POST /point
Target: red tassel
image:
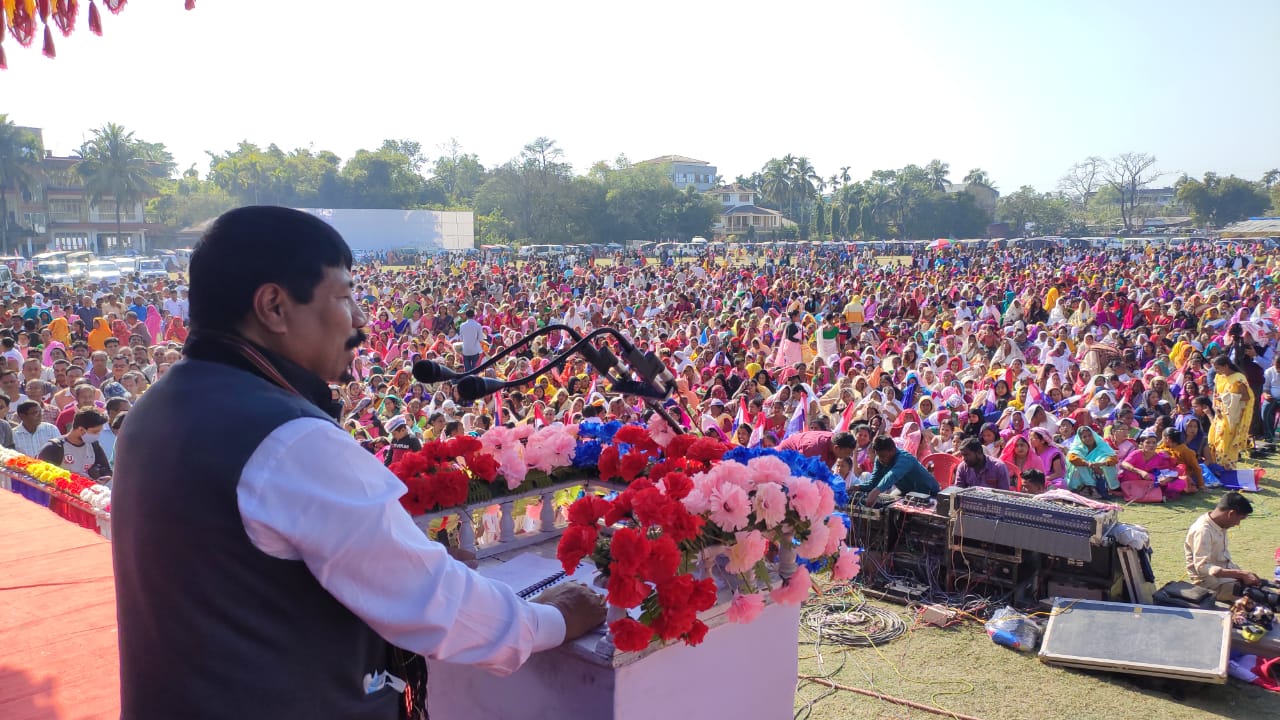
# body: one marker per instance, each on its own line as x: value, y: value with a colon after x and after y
x: 3, y: 63
x: 115, y: 6
x: 191, y: 4
x: 49, y: 52
x: 42, y: 6
x: 95, y: 20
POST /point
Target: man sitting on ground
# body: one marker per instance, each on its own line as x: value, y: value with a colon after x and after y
x: 1208, y: 560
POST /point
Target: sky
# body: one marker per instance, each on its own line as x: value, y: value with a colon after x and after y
x: 1021, y: 89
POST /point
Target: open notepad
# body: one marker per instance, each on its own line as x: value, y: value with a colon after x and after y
x: 530, y: 574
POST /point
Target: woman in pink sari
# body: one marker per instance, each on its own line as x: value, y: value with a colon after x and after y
x: 1146, y: 468
x: 1018, y: 456
x: 1051, y: 457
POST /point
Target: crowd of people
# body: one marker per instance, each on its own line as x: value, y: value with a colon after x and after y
x: 1136, y: 373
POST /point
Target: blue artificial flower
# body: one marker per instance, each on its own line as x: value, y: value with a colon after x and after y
x: 587, y: 453
x: 603, y: 432
x: 815, y: 566
x: 744, y: 455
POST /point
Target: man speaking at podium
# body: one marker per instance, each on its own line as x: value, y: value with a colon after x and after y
x: 264, y: 565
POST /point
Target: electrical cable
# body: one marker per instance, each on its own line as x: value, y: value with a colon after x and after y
x: 847, y: 620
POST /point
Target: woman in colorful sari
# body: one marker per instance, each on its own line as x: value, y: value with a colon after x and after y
x: 1018, y: 456
x: 1233, y: 405
x: 1171, y: 443
x: 1148, y: 467
x: 60, y: 331
x: 1055, y: 464
x: 100, y: 333
x: 1093, y: 463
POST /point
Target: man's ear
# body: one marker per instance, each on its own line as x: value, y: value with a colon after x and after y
x: 271, y: 306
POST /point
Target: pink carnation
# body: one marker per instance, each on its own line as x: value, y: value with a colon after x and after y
x: 836, y: 533
x: 661, y: 431
x: 771, y: 504
x: 698, y: 501
x: 745, y: 608
x: 746, y: 551
x: 549, y: 448
x: 826, y: 501
x: 735, y: 474
x: 814, y: 546
x: 522, y: 431
x: 730, y: 507
x: 767, y: 469
x: 795, y: 590
x: 803, y: 496
x: 512, y: 467
x: 847, y: 566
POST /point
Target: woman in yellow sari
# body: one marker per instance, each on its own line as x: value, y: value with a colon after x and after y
x: 60, y: 331
x: 1233, y: 407
x: 99, y: 335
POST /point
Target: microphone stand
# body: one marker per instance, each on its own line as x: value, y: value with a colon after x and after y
x: 657, y: 383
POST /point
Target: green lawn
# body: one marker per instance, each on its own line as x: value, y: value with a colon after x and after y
x: 961, y: 670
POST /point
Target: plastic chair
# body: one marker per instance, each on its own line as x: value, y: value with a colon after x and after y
x: 943, y: 467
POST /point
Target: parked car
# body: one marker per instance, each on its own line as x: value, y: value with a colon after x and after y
x: 151, y: 269
x: 100, y: 270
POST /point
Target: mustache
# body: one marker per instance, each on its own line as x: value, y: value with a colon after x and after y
x: 357, y: 340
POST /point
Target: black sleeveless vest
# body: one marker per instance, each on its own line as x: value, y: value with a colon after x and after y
x: 210, y: 626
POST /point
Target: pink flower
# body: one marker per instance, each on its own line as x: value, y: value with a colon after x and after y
x: 698, y: 501
x: 746, y: 551
x: 661, y: 431
x: 730, y: 507
x: 795, y: 590
x: 512, y: 467
x: 745, y: 608
x: 735, y: 474
x: 803, y: 496
x: 767, y: 469
x: 836, y: 534
x: 522, y: 431
x: 814, y: 545
x: 498, y: 438
x: 771, y: 504
x: 549, y: 448
x: 847, y: 565
x: 826, y: 501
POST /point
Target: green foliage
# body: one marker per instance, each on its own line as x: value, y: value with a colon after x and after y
x: 1047, y: 215
x: 1219, y: 201
x: 115, y: 164
x: 20, y: 154
x: 188, y: 200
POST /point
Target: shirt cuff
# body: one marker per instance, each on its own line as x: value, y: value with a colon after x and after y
x: 549, y: 628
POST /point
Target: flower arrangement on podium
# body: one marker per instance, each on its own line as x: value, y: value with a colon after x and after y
x: 702, y: 518
x: 58, y: 480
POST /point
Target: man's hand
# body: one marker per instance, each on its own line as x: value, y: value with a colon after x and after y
x: 1250, y: 579
x: 582, y: 608
x: 466, y: 557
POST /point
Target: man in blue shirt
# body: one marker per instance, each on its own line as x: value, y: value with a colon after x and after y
x: 896, y: 469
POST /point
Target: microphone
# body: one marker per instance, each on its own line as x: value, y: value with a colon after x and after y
x: 474, y: 387
x: 425, y: 371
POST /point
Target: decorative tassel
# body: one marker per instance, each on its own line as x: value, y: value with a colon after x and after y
x: 49, y: 52
x: 191, y: 4
x: 95, y: 20
x: 64, y: 15
x: 3, y: 64
x: 115, y: 6
x: 42, y: 7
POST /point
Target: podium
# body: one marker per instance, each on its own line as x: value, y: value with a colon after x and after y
x: 739, y: 671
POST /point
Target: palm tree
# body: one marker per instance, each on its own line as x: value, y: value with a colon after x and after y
x: 1269, y: 177
x: 845, y: 177
x: 115, y: 164
x: 804, y: 182
x: 19, y: 167
x: 775, y: 182
x: 937, y: 172
x: 977, y: 176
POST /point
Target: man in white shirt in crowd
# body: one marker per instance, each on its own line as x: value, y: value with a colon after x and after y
x: 264, y: 563
x: 1270, y: 399
x: 1208, y: 561
x: 472, y: 335
x: 32, y: 433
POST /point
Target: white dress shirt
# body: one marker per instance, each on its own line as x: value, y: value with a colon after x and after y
x: 31, y: 443
x: 311, y: 493
x: 472, y: 334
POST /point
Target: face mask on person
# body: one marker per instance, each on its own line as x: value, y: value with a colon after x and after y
x: 92, y: 437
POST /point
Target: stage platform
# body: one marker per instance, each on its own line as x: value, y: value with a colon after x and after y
x: 58, y: 655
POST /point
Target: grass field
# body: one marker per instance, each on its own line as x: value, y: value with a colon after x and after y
x: 961, y: 670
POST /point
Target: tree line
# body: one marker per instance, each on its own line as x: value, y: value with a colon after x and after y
x: 537, y: 197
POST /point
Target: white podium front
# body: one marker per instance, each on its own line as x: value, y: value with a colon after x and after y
x: 739, y: 671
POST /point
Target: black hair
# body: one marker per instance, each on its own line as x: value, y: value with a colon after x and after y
x: 88, y: 419
x: 116, y: 402
x: 451, y: 427
x: 1235, y: 501
x: 844, y: 440
x: 1033, y: 477
x: 249, y: 247
x: 973, y: 445
x: 883, y: 442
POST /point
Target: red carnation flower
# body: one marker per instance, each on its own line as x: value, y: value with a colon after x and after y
x: 626, y: 591
x: 707, y: 450
x: 679, y: 446
x: 681, y: 525
x: 630, y: 635
x: 678, y: 485
x: 483, y: 466
x: 463, y: 445
x: 628, y: 551
x: 633, y: 463
x: 619, y: 508
x: 452, y: 488
x: 696, y: 634
x: 651, y: 507
x: 577, y: 542
x: 587, y: 510
x: 703, y: 596
x: 638, y: 437
x: 608, y: 463
x: 664, y: 560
